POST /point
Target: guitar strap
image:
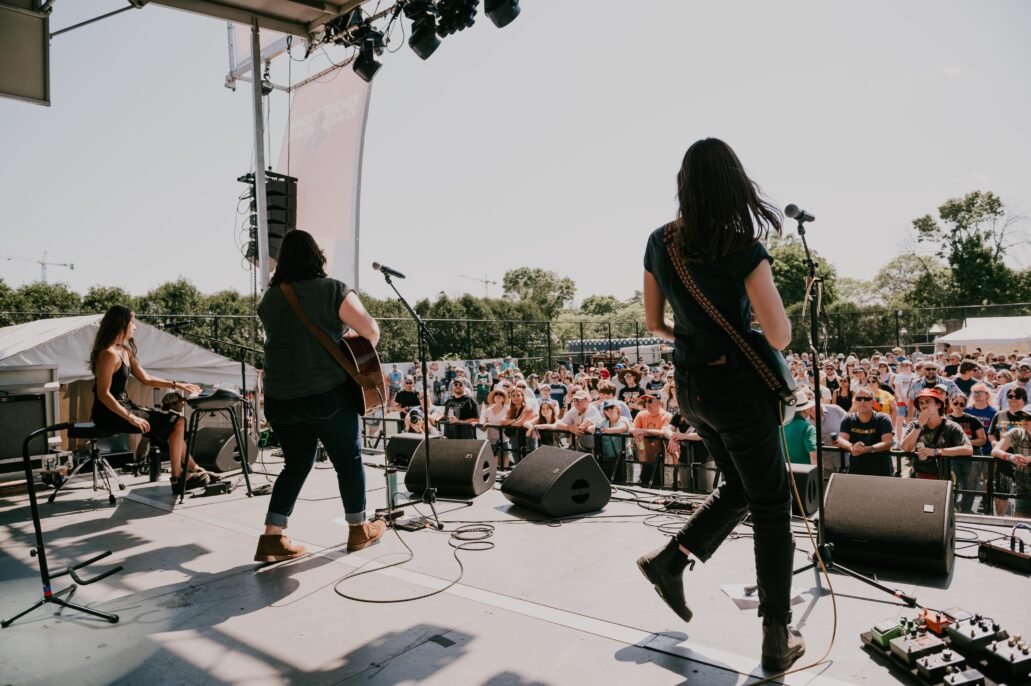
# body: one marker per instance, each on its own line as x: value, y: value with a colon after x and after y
x: 768, y: 376
x: 320, y: 335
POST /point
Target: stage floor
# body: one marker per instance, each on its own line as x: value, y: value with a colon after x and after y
x: 550, y: 604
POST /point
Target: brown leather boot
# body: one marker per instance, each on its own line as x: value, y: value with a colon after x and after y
x: 364, y: 535
x: 782, y: 645
x: 664, y: 568
x: 277, y: 549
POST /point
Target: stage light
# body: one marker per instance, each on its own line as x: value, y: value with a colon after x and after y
x: 369, y: 43
x: 501, y: 12
x: 423, y: 14
x: 456, y: 15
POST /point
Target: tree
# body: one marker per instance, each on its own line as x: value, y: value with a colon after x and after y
x: 101, y: 298
x: 51, y: 298
x: 174, y: 297
x: 600, y: 304
x: 546, y: 288
x: 859, y: 292
x: 973, y: 237
x: 790, y: 271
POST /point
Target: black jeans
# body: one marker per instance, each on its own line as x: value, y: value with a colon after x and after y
x: 737, y: 418
x: 299, y: 424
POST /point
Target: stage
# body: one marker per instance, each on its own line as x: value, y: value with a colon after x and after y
x: 550, y: 604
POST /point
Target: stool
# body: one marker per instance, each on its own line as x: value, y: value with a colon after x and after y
x: 214, y: 402
x: 96, y: 461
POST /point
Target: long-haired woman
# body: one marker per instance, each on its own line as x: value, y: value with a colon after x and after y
x: 112, y: 360
x: 518, y: 416
x: 308, y: 395
x: 717, y: 239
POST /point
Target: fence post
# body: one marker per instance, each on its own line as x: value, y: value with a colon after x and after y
x: 608, y: 353
x: 549, y: 346
x: 637, y: 340
x: 898, y: 330
x: 468, y: 339
x: 581, y: 342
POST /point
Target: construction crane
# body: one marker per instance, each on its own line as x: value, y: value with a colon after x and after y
x: 43, y: 264
x: 485, y: 281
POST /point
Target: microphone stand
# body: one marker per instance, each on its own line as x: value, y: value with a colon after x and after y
x: 826, y: 549
x: 429, y: 495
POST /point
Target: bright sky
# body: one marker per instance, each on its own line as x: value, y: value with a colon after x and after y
x: 551, y: 143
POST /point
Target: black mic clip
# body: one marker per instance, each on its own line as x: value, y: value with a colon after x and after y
x: 793, y: 211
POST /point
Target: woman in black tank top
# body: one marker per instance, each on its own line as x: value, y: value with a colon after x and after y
x: 716, y: 239
x: 112, y: 360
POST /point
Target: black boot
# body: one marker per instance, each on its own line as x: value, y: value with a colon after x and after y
x: 664, y: 568
x: 782, y: 645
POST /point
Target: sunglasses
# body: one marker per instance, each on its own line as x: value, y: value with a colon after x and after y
x: 1013, y: 396
x: 863, y: 398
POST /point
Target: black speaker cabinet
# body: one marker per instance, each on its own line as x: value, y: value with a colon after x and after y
x: 215, y: 449
x: 558, y: 483
x: 459, y: 468
x: 401, y: 447
x: 806, y: 480
x: 903, y: 523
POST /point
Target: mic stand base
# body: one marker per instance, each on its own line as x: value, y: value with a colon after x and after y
x: 826, y: 554
x: 429, y: 497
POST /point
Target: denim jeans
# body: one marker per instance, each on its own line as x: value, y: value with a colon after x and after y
x: 299, y: 424
x: 737, y: 418
x: 968, y: 477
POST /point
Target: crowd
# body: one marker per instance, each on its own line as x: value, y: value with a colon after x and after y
x: 932, y: 406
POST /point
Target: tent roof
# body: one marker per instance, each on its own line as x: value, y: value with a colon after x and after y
x: 296, y: 17
x: 1014, y: 331
x: 66, y: 342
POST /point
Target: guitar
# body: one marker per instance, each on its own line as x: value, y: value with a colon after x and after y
x: 370, y: 389
x: 355, y: 354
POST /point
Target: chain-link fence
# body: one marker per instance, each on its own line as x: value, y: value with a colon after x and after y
x: 539, y: 345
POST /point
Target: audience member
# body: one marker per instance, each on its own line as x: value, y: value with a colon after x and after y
x: 867, y: 436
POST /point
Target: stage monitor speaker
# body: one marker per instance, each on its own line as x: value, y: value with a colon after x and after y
x: 215, y: 449
x: 806, y: 480
x: 906, y: 523
x: 401, y: 447
x: 459, y: 468
x: 558, y: 483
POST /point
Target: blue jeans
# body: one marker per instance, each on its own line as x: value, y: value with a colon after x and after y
x: 737, y: 418
x: 300, y: 423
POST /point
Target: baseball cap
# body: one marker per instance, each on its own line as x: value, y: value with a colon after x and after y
x: 581, y: 395
x: 647, y: 396
x: 1026, y: 362
x: 606, y: 404
x: 409, y: 379
x: 1021, y: 415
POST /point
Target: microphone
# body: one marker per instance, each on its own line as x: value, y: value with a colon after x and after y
x: 387, y: 270
x: 793, y: 212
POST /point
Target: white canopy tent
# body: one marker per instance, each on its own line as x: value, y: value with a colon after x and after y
x: 66, y: 342
x: 997, y: 334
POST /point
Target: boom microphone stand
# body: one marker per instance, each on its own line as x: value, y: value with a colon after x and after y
x: 429, y: 496
x: 825, y: 549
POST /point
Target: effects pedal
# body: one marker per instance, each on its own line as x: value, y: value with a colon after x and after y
x: 937, y: 622
x: 1002, y: 556
x: 219, y: 488
x: 975, y: 634
x: 968, y: 677
x: 883, y: 632
x: 915, y: 645
x: 1011, y: 657
x: 934, y: 667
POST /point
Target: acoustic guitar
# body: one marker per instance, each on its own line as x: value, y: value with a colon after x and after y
x: 355, y: 354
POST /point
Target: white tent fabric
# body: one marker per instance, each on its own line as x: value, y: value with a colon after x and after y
x: 67, y: 341
x: 998, y: 334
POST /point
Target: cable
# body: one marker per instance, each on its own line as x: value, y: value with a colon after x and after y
x: 471, y: 537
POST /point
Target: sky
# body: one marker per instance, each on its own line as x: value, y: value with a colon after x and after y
x: 551, y: 143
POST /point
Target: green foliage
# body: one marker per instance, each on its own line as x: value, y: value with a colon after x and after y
x: 174, y: 297
x: 47, y: 298
x: 600, y: 304
x: 790, y: 271
x: 100, y: 298
x: 545, y: 288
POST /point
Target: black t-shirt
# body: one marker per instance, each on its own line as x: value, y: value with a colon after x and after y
x: 965, y: 384
x: 656, y: 386
x: 629, y: 395
x: 950, y: 370
x: 868, y: 433
x: 558, y: 393
x: 463, y: 408
x: 699, y: 339
x: 407, y: 399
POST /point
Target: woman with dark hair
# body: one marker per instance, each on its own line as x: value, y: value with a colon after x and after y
x: 308, y: 395
x: 717, y: 239
x: 112, y: 360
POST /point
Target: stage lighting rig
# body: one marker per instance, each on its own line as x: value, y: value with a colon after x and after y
x: 456, y: 15
x: 501, y: 12
x: 343, y: 30
x: 423, y: 15
x: 371, y: 44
